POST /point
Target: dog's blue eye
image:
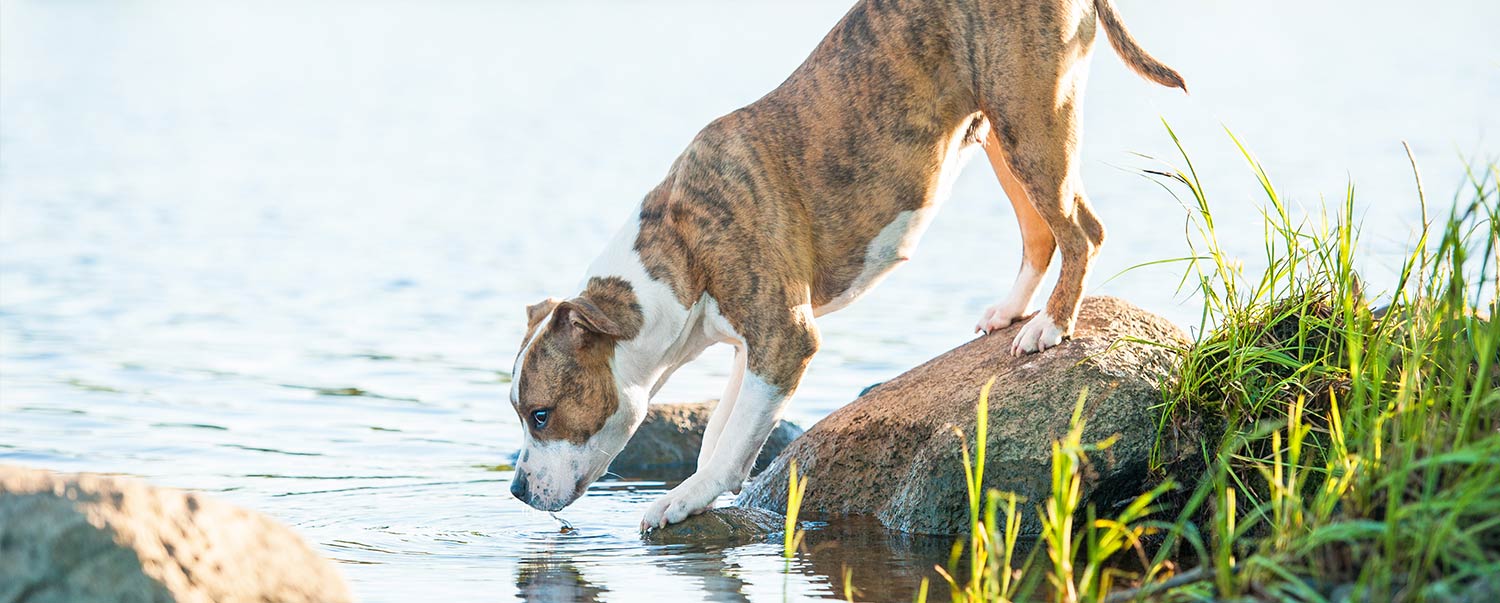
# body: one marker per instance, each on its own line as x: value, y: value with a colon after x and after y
x: 539, y: 418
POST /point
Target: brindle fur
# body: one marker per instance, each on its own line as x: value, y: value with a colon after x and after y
x: 814, y: 170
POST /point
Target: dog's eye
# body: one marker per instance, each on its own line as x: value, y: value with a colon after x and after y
x: 539, y: 418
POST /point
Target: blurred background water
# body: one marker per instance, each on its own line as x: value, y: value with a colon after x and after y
x: 279, y: 251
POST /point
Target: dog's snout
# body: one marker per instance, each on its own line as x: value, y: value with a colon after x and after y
x: 519, y: 488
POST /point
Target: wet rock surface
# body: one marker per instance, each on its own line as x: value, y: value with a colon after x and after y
x: 894, y: 452
x: 91, y: 538
x: 666, y: 445
x: 721, y: 526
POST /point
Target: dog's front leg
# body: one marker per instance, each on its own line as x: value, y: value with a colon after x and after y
x: 767, y: 385
x: 722, y: 411
x: 756, y: 409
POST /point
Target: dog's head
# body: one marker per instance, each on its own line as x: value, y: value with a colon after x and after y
x: 574, y: 409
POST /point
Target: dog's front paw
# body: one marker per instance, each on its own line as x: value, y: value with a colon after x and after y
x: 998, y: 317
x: 688, y: 498
x: 1040, y: 333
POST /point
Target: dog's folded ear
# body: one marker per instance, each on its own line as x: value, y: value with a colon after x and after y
x: 538, y: 311
x: 585, y: 315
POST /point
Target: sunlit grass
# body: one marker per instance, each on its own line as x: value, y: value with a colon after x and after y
x: 792, y: 536
x: 1357, y: 444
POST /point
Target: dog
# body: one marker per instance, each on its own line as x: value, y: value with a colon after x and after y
x: 801, y: 202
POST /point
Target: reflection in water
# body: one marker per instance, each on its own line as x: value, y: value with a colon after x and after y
x: 549, y: 579
x: 883, y: 565
x: 722, y: 578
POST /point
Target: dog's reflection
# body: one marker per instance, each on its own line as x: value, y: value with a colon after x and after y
x: 552, y: 578
x: 711, y: 566
x: 880, y: 565
x: 545, y: 578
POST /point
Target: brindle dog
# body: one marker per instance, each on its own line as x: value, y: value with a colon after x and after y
x: 796, y: 205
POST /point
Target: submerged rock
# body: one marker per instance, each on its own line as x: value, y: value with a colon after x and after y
x: 894, y: 452
x: 91, y: 538
x: 666, y: 446
x: 721, y: 526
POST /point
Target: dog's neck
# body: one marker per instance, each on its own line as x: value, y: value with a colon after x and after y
x: 670, y: 333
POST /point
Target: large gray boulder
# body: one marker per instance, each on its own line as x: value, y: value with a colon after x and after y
x: 91, y: 538
x: 894, y: 454
x: 666, y: 445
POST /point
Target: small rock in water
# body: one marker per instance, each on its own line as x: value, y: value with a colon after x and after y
x: 666, y: 445
x: 722, y: 526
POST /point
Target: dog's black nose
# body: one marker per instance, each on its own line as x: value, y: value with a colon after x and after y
x: 519, y: 489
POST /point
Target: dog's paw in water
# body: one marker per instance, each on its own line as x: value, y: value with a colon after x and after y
x: 1040, y: 333
x: 689, y: 498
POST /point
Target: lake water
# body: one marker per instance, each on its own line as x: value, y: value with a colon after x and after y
x: 279, y: 251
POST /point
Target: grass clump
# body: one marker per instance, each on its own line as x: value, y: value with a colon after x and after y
x: 1354, y: 439
x: 1357, y: 452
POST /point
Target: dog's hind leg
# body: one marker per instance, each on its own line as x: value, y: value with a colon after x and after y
x: 1037, y: 245
x: 722, y: 411
x: 1039, y: 133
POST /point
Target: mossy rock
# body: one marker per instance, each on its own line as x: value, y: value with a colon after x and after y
x: 722, y: 526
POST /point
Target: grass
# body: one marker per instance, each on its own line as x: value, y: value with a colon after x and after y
x: 794, y: 492
x: 1352, y: 447
x: 991, y: 551
x: 992, y: 574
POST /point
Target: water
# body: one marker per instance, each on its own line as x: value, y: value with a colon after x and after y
x: 279, y: 252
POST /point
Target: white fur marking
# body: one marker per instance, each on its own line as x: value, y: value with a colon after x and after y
x: 642, y: 360
x: 515, y: 372
x: 552, y: 472
x: 896, y: 241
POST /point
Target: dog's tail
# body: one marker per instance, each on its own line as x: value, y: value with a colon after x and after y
x: 1136, y: 57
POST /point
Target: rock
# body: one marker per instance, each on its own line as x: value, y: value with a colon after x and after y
x: 666, y: 445
x: 721, y: 526
x: 91, y: 538
x: 893, y: 453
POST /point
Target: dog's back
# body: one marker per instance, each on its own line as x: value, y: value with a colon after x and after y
x: 858, y: 143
